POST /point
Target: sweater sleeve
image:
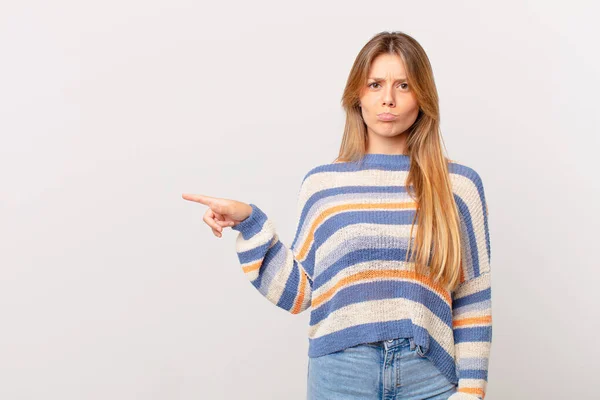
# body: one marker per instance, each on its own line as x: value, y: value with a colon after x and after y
x: 471, y: 300
x: 278, y: 272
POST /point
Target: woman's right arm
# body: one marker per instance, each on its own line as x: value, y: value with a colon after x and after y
x: 280, y: 273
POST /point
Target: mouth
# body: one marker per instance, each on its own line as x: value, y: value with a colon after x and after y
x: 386, y: 116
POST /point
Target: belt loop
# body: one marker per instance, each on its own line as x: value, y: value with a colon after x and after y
x: 412, y: 343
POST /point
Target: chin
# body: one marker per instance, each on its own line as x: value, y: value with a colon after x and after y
x: 392, y: 133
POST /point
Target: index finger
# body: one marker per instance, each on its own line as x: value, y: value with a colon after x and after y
x: 207, y: 200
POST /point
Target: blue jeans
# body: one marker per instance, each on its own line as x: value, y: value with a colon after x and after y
x: 387, y: 370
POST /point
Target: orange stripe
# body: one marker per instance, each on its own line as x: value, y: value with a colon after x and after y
x: 300, y: 299
x: 472, y: 390
x: 252, y: 267
x: 388, y: 273
x: 346, y: 207
x: 257, y: 264
x: 472, y: 321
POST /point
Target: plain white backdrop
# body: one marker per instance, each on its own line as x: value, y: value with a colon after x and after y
x: 112, y: 286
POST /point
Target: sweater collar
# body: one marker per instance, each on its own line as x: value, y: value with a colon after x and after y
x: 386, y: 159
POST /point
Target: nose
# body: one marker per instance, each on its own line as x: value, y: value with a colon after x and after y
x: 388, y: 97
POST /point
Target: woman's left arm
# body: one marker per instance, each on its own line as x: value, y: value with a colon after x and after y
x: 472, y: 300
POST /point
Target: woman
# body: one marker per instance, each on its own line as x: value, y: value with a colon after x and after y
x: 392, y: 249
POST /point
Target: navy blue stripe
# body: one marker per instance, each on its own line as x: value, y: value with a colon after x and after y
x: 472, y: 334
x: 481, y: 295
x: 473, y: 374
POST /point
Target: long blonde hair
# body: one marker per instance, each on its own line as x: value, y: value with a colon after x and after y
x: 437, y: 240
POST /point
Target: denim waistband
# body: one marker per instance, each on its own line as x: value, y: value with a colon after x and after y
x: 394, y: 343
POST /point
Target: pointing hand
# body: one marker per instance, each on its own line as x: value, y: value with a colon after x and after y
x: 221, y: 213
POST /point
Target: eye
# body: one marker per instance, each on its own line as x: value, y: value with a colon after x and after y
x: 403, y: 85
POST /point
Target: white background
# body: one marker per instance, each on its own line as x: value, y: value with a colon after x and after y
x: 112, y: 286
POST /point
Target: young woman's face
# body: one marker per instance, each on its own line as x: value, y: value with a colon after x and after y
x: 387, y: 91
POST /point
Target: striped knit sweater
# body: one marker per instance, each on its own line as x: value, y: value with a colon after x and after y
x: 346, y: 264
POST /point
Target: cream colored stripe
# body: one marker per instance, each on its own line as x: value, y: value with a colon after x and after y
x: 327, y: 180
x: 475, y: 285
x: 259, y: 239
x: 472, y: 383
x: 473, y: 349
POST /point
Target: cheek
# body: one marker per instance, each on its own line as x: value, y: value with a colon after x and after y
x: 408, y: 104
x: 367, y: 110
x: 370, y: 108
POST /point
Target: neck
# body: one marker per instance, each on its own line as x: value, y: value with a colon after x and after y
x: 380, y: 144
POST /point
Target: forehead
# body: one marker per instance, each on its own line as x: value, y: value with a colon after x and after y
x: 387, y: 66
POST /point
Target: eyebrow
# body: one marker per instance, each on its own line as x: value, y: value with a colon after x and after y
x: 397, y: 80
